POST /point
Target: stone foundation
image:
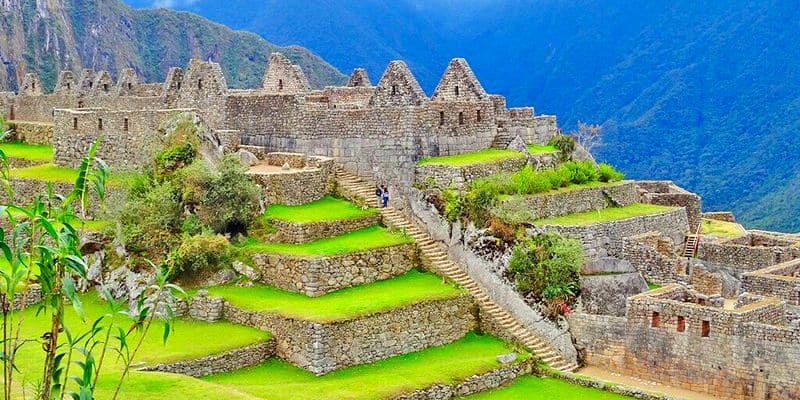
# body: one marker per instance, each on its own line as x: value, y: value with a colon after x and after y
x: 219, y: 363
x: 291, y: 232
x: 308, y: 179
x: 749, y: 252
x: 32, y: 132
x: 325, y: 347
x: 315, y: 276
x: 782, y: 281
x: 474, y: 384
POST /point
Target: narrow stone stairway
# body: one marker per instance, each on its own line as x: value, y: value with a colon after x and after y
x: 441, y: 263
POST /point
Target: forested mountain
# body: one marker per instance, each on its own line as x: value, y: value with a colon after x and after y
x: 706, y: 93
x: 48, y: 36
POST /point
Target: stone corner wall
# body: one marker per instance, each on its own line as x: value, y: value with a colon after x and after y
x: 474, y: 384
x: 444, y: 176
x: 228, y: 361
x: 290, y: 232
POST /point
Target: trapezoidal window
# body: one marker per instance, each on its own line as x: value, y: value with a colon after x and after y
x: 125, y: 125
x: 441, y: 118
x: 280, y: 84
x: 75, y: 124
x: 394, y: 90
x: 199, y: 83
x: 179, y: 86
x: 33, y: 85
x: 705, y: 329
x: 461, y: 118
x: 11, y: 112
x: 100, y: 124
x: 68, y: 86
x: 457, y: 91
x: 105, y: 87
x: 130, y: 86
x: 681, y: 324
x: 478, y: 116
x: 80, y: 104
x: 91, y: 85
x: 655, y: 321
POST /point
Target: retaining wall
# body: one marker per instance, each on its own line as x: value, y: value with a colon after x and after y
x: 291, y: 232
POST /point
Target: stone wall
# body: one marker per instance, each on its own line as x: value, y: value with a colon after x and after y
x: 295, y: 186
x: 228, y: 361
x: 605, y: 238
x: 445, y: 176
x: 528, y: 208
x: 315, y: 276
x: 705, y: 282
x: 666, y: 193
x: 474, y: 384
x: 725, y: 216
x: 32, y: 132
x: 291, y: 232
x: 782, y: 281
x: 654, y: 257
x: 325, y: 347
x: 749, y: 252
x: 746, y: 353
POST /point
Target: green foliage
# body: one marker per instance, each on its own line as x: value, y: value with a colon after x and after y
x: 202, y: 252
x: 472, y: 158
x: 547, y: 266
x: 608, y: 173
x: 151, y: 218
x: 356, y: 241
x: 565, y: 145
x: 173, y: 158
x: 452, y: 204
x: 327, y: 208
x: 479, y: 200
x: 529, y: 181
x: 581, y: 172
x: 604, y: 215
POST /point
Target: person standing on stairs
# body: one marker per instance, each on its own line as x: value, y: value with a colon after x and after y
x: 384, y: 196
x: 379, y: 194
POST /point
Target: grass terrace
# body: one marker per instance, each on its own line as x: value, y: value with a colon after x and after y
x: 485, y: 156
x: 604, y: 215
x: 373, y: 237
x: 326, y: 209
x: 31, y: 152
x: 410, y: 288
x: 278, y: 380
x: 52, y: 173
x: 541, y: 149
x: 183, y: 344
x: 535, y: 388
x: 721, y: 228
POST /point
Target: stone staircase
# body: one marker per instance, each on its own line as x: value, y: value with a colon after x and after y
x: 502, y: 139
x: 692, y: 242
x: 441, y: 263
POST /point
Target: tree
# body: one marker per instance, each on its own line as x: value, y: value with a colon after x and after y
x: 589, y: 136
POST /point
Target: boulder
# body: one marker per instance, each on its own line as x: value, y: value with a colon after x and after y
x: 246, y: 270
x: 507, y: 358
x: 247, y: 158
x: 517, y: 144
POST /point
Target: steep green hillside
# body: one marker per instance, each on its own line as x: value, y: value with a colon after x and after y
x: 47, y: 36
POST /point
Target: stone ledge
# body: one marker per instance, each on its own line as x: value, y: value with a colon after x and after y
x: 228, y: 361
x: 293, y: 232
x: 315, y: 276
x: 474, y: 384
x: 324, y: 347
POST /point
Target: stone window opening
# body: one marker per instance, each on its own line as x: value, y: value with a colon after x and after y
x: 461, y: 118
x: 441, y: 118
x: 91, y: 85
x: 75, y: 124
x: 100, y: 124
x: 394, y: 90
x: 80, y: 104
x: 33, y: 85
x: 68, y: 86
x: 105, y: 87
x: 179, y: 86
x: 280, y: 84
x: 199, y: 83
x: 655, y: 322
x: 478, y: 115
x: 457, y: 92
x: 125, y: 124
x: 681, y: 324
x: 705, y: 329
x: 130, y: 86
x: 11, y: 113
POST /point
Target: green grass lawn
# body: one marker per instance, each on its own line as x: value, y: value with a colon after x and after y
x: 535, y: 388
x: 56, y: 174
x: 541, y: 149
x: 475, y: 157
x: 277, y: 380
x: 721, y: 228
x: 604, y: 215
x: 326, y: 209
x: 183, y: 344
x: 32, y: 152
x: 653, y: 286
x: 412, y: 287
x: 361, y: 240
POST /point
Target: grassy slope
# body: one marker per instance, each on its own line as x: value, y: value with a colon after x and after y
x: 361, y: 240
x: 604, y: 215
x: 413, y: 287
x: 55, y: 174
x: 472, y: 158
x: 541, y: 149
x: 27, y: 151
x: 535, y: 388
x: 721, y: 228
x: 326, y: 209
x: 182, y: 345
x: 276, y: 380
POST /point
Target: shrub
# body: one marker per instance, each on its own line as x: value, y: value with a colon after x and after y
x: 528, y: 181
x: 565, y: 145
x: 581, y: 172
x: 151, y: 218
x: 558, y: 177
x: 173, y: 158
x: 202, y: 252
x: 452, y: 205
x: 503, y: 231
x: 608, y: 173
x: 547, y: 267
x: 479, y: 200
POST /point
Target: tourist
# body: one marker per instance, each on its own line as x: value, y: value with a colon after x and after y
x: 379, y: 194
x: 385, y: 195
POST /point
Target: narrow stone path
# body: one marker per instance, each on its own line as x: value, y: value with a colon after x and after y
x: 441, y: 263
